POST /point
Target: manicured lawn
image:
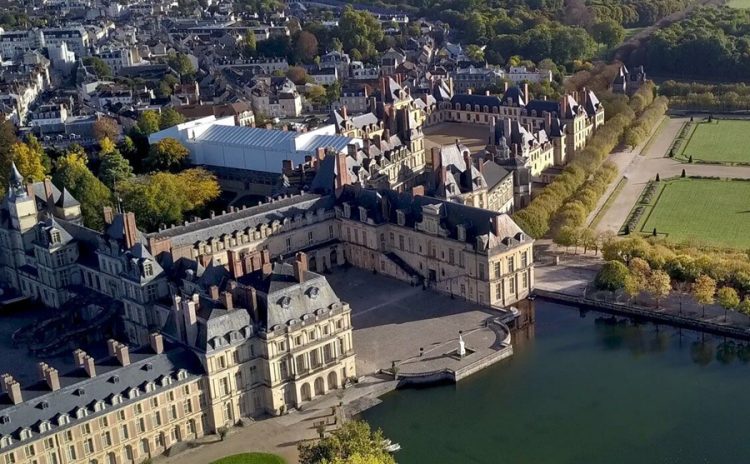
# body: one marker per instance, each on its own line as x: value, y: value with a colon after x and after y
x: 713, y: 212
x: 720, y: 141
x: 739, y: 3
x: 251, y: 458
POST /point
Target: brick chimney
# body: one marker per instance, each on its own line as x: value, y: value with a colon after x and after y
x: 342, y: 173
x: 131, y: 233
x: 265, y: 259
x: 49, y: 195
x: 112, y: 347
x: 123, y: 355
x: 50, y: 375
x: 78, y: 357
x: 344, y: 112
x: 547, y: 122
x: 496, y: 226
x: 287, y: 166
x: 109, y: 215
x: 300, y: 267
x: 157, y: 343
x: 12, y: 388
x: 213, y: 292
x: 564, y: 106
x: 227, y: 300
x: 89, y: 366
x: 526, y: 92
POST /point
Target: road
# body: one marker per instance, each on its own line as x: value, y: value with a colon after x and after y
x: 641, y: 165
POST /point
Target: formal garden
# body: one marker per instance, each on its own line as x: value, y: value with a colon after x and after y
x: 708, y: 211
x: 251, y: 458
x: 720, y: 141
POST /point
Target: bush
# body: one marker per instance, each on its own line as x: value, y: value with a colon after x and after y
x: 611, y: 276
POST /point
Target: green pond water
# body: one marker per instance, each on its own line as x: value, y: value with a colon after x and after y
x: 584, y: 388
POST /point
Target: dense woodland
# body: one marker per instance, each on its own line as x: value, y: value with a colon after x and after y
x: 710, y: 42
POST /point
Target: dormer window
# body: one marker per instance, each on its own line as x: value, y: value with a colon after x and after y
x: 55, y: 237
x: 116, y: 399
x: 400, y: 218
x: 4, y: 420
x: 5, y: 441
x: 363, y: 214
x: 461, y: 232
x: 181, y: 374
x: 313, y: 292
x: 285, y: 301
x: 148, y: 269
x: 43, y: 405
x: 347, y: 210
x: 150, y: 387
x: 25, y: 434
x: 98, y: 406
x: 44, y: 427
x: 81, y: 413
x: 63, y: 419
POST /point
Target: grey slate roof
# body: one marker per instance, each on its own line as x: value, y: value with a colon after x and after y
x: 77, y: 390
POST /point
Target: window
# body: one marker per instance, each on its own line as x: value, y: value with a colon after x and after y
x: 148, y: 269
x: 401, y: 242
x: 497, y: 269
x: 69, y: 435
x: 157, y: 418
x: 49, y: 443
x: 107, y: 439
x: 86, y: 429
x: 103, y: 422
x: 288, y: 244
x: 524, y: 280
x: 10, y: 458
x: 121, y: 415
x: 55, y: 236
x: 29, y: 451
x: 72, y: 453
x: 330, y: 231
x: 138, y: 408
x: 481, y: 271
x: 524, y: 259
x: 173, y: 412
x: 511, y: 264
x: 451, y: 257
x: 222, y: 362
x: 310, y: 239
x: 186, y: 390
x: 224, y: 383
x: 88, y: 446
x: 155, y: 402
x: 141, y: 425
x: 124, y: 435
x: 499, y: 290
x: 187, y: 407
x: 512, y: 285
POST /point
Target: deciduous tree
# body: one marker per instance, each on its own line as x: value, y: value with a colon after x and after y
x: 353, y: 443
x: 728, y: 299
x: 704, y: 290
x: 106, y: 127
x: 72, y: 173
x: 612, y: 276
x: 167, y: 154
x: 659, y: 285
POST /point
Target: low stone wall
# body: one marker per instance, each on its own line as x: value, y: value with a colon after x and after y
x: 645, y: 313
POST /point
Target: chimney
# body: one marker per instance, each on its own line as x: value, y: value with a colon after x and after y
x: 417, y: 191
x: 342, y: 173
x: 157, y: 343
x: 53, y: 379
x: 526, y: 92
x: 467, y: 163
x: 505, y: 86
x: 321, y: 153
x: 79, y: 356
x: 251, y: 296
x: 300, y: 267
x: 351, y: 150
x: 112, y: 347
x: 89, y: 366
x: 366, y: 146
x: 48, y: 195
x: 123, y: 355
x: 12, y: 388
x: 213, y: 292
x: 108, y: 215
x: 227, y: 301
x: 30, y: 190
x: 564, y: 107
x: 487, y: 93
x: 496, y: 226
x: 480, y: 165
x: 131, y: 233
x: 286, y: 166
x: 344, y: 112
x: 547, y: 122
x: 436, y: 160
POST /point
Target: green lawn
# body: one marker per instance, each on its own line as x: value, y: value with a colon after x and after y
x: 713, y: 212
x: 720, y: 141
x: 251, y: 458
x: 739, y: 3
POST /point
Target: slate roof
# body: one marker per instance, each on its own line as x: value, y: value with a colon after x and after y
x: 492, y: 101
x: 77, y: 390
x: 243, y: 219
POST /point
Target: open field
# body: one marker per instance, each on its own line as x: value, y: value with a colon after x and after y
x: 714, y: 212
x: 720, y: 141
x: 739, y: 3
x: 251, y: 458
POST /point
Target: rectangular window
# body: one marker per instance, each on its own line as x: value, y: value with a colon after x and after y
x: 401, y: 242
x: 72, y: 453
x: 30, y: 451
x: 288, y: 244
x: 187, y: 407
x: 511, y: 264
x: 88, y: 446
x: 512, y: 285
x: 499, y: 290
x: 310, y: 240
x: 451, y: 256
x: 481, y: 271
x: 524, y: 259
x: 124, y: 434
x: 330, y: 231
x: 497, y: 270
x: 524, y: 280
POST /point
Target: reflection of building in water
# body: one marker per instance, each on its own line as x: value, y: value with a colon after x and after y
x: 524, y: 328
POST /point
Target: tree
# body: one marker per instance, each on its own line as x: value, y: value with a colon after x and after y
x: 333, y: 92
x: 7, y: 139
x: 182, y: 65
x: 99, y: 66
x: 169, y: 118
x: 305, y: 47
x: 316, y: 94
x: 164, y: 198
x: 744, y: 306
x: 632, y: 287
x: 297, y: 74
x: 608, y: 32
x: 114, y: 169
x: 106, y: 127
x: 353, y: 443
x: 167, y: 154
x: 251, y: 46
x: 475, y: 52
x: 659, y: 285
x: 72, y: 173
x: 704, y: 289
x: 612, y: 276
x: 28, y: 160
x: 360, y: 30
x: 728, y: 299
x: 148, y: 122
